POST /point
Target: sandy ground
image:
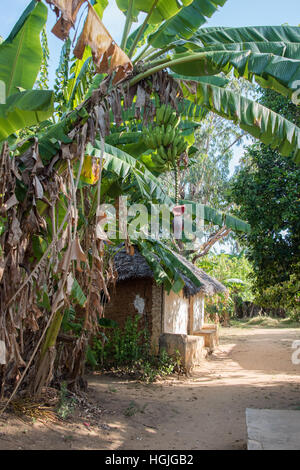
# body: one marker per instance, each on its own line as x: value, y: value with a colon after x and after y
x: 252, y: 368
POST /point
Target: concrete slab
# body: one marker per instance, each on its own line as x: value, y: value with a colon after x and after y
x: 190, y: 347
x: 273, y: 429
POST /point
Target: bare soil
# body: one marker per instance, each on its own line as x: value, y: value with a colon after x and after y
x: 252, y: 368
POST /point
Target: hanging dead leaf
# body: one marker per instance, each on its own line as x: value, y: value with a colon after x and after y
x: 36, y: 156
x: 31, y: 322
x: 102, y: 121
x: 37, y: 311
x: 63, y: 240
x: 100, y: 234
x: 101, y: 221
x: 15, y: 232
x: 59, y: 298
x: 65, y: 262
x: 12, y: 201
x: 95, y: 35
x: 69, y: 10
x: 103, y: 47
x: 39, y: 191
x: 77, y: 252
x: 118, y: 59
x: 31, y: 224
x: 16, y: 354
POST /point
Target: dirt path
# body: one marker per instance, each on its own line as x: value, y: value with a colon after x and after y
x: 251, y: 368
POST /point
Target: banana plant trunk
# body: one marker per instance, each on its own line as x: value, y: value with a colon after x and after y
x: 44, y: 371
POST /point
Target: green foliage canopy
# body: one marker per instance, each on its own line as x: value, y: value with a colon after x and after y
x: 267, y: 192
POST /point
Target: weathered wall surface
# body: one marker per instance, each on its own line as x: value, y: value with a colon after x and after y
x: 176, y: 311
x: 159, y: 312
x: 141, y: 297
x: 198, y: 307
x: 156, y: 316
x: 132, y: 297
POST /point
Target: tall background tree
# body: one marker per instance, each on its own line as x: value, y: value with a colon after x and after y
x: 266, y: 191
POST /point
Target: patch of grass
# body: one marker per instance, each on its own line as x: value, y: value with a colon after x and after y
x: 288, y: 323
x: 133, y: 408
x: 268, y: 322
x: 264, y: 322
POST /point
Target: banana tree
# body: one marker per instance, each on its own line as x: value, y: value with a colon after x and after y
x: 169, y: 59
x: 20, y: 61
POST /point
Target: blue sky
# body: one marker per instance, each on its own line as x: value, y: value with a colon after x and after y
x: 234, y: 13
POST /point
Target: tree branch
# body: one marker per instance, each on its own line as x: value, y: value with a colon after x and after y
x: 213, y: 239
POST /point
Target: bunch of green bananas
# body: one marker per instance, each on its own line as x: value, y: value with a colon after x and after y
x: 165, y: 138
x: 167, y: 115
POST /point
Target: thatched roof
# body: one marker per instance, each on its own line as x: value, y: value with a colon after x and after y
x: 136, y: 266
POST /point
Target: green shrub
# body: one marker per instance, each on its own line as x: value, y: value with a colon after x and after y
x: 235, y: 272
x: 285, y: 295
x: 129, y: 350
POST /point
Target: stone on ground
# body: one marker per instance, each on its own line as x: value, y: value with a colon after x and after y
x: 273, y: 429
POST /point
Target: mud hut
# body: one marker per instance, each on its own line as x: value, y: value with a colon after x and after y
x: 174, y: 321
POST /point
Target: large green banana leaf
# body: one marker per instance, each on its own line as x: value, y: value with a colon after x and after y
x: 149, y: 29
x: 166, y: 265
x: 216, y: 217
x: 236, y: 224
x: 99, y: 6
x: 191, y: 111
x: 209, y: 79
x: 280, y: 73
x: 21, y: 53
x: 25, y: 109
x: 278, y: 40
x: 78, y: 85
x: 280, y: 49
x: 123, y: 164
x: 163, y: 9
x: 185, y: 23
x: 121, y: 138
x: 258, y: 34
x: 260, y: 122
x: 159, y: 272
